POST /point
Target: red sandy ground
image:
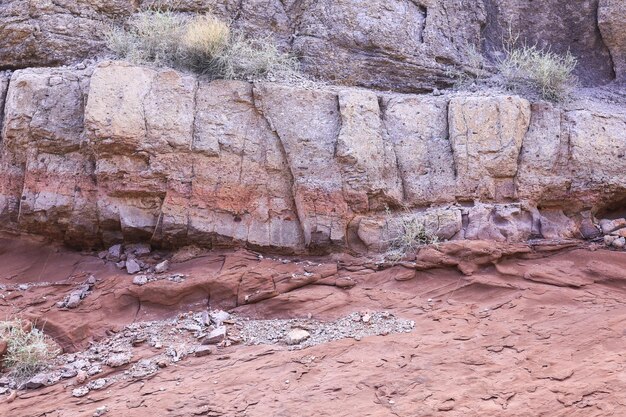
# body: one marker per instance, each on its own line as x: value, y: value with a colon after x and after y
x: 526, y: 336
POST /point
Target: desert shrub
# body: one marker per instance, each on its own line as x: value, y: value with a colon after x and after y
x: 149, y: 37
x: 408, y: 234
x: 256, y: 58
x: 28, y: 351
x: 541, y: 70
x: 203, y: 44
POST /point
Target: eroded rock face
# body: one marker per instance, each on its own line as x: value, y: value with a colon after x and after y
x: 561, y: 26
x: 404, y: 45
x: 612, y: 23
x: 136, y: 154
x: 486, y: 135
x: 46, y: 32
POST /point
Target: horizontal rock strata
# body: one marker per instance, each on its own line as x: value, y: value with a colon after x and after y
x: 125, y: 153
x: 403, y: 45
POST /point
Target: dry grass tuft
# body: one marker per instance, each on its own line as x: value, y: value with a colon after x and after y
x: 203, y: 44
x: 28, y: 349
x: 539, y: 69
x: 409, y: 234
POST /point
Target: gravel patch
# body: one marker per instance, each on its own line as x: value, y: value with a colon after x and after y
x: 355, y: 326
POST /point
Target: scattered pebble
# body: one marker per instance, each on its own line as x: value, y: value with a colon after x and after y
x: 100, y: 411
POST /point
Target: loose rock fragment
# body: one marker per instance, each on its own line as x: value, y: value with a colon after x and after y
x: 114, y: 253
x: 608, y: 239
x: 81, y: 377
x: 216, y: 336
x: 97, y: 384
x: 100, y: 411
x: 297, y: 336
x: 37, y: 381
x: 162, y: 267
x: 132, y: 266
x: 619, y: 243
x: 117, y: 360
x: 138, y: 249
x: 609, y: 226
x: 218, y: 317
x: 140, y: 280
x: 202, y: 351
x: 80, y: 392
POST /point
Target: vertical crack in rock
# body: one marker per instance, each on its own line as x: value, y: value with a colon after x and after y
x: 257, y: 103
x: 5, y: 83
x: 192, y: 158
x: 382, y: 106
x: 520, y: 155
x: 423, y: 11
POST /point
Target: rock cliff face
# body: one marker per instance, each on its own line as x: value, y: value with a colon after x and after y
x: 402, y: 45
x: 120, y: 152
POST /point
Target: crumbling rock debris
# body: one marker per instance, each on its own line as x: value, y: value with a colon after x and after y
x: 74, y: 299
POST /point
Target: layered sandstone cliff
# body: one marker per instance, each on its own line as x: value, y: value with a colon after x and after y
x: 125, y: 153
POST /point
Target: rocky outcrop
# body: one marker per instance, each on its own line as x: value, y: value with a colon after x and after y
x: 612, y: 23
x: 402, y: 45
x: 126, y: 153
x: 47, y: 32
x: 558, y: 25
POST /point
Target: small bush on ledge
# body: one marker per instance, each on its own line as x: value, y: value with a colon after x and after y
x: 407, y: 235
x: 202, y: 44
x: 540, y: 70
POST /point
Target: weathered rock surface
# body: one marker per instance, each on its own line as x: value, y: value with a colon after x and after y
x: 559, y: 25
x: 404, y: 45
x: 136, y: 154
x: 612, y: 24
x: 47, y: 32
